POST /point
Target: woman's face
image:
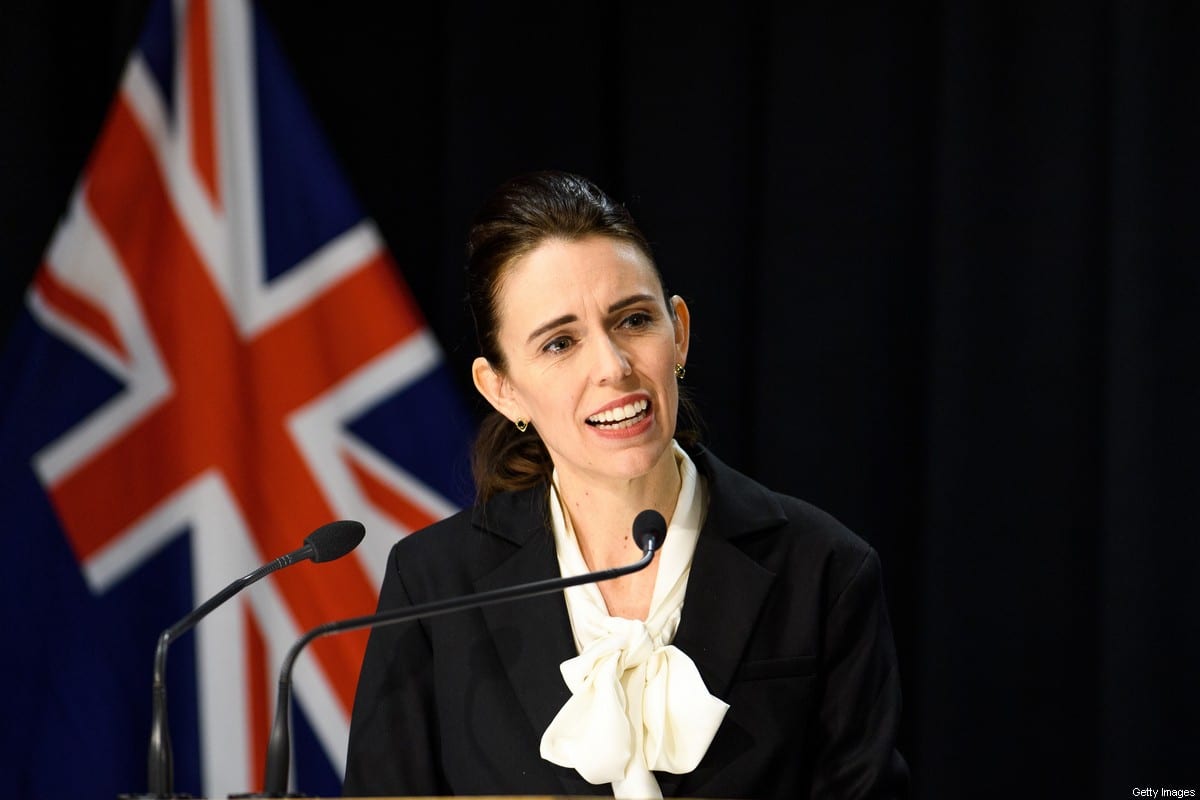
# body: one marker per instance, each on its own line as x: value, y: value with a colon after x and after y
x: 590, y: 350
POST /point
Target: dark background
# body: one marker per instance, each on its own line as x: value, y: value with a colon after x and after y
x: 944, y: 271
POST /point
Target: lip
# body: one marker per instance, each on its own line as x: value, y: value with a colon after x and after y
x: 618, y: 403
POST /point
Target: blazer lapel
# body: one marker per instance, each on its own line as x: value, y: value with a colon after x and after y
x: 532, y: 636
x: 726, y: 587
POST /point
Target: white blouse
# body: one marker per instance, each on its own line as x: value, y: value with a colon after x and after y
x: 637, y: 702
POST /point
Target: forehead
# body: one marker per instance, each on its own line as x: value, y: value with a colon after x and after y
x: 559, y: 274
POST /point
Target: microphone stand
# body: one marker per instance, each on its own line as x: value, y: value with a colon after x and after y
x: 160, y: 769
x: 327, y: 543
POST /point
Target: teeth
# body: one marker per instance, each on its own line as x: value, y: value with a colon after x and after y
x: 620, y: 414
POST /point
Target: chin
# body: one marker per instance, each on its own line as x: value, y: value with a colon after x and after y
x: 642, y: 460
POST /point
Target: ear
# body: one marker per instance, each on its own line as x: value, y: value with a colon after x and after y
x: 495, y: 388
x: 683, y: 328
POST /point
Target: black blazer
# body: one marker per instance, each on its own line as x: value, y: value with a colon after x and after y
x: 784, y: 617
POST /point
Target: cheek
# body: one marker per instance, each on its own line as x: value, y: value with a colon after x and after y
x: 554, y: 395
x: 672, y: 394
x: 668, y: 359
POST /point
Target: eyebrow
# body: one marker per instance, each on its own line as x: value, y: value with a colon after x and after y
x: 568, y: 318
x: 551, y: 325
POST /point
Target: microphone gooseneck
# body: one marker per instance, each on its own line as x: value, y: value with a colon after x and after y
x: 329, y: 542
x: 649, y: 532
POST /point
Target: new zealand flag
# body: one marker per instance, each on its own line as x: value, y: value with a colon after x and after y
x: 216, y: 357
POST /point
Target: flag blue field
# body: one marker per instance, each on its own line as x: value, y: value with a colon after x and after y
x: 217, y: 355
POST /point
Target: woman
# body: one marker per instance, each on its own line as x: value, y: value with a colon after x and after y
x: 752, y: 658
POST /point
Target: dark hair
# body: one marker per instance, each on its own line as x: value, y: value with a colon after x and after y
x: 515, y: 220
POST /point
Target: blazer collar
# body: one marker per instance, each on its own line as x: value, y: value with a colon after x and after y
x: 517, y: 517
x: 737, y: 506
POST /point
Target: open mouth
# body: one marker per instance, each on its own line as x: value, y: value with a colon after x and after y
x: 614, y: 419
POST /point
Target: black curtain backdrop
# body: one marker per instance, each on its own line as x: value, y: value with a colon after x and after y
x: 942, y: 261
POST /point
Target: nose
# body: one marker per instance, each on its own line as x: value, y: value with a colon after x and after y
x: 611, y: 363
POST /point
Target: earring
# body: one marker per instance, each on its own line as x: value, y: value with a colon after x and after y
x: 521, y: 424
x: 680, y: 371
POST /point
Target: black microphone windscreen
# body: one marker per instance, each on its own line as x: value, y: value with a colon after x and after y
x: 334, y: 540
x: 646, y: 524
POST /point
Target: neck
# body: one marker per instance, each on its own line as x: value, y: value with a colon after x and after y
x: 602, y: 512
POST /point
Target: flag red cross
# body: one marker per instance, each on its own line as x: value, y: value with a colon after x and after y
x: 231, y: 395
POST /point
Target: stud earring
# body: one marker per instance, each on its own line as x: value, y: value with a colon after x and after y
x: 521, y: 424
x: 680, y: 371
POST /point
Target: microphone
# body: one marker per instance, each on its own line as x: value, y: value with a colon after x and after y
x: 649, y: 531
x: 327, y: 543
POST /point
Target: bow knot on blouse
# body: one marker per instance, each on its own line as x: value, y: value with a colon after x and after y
x: 638, y: 703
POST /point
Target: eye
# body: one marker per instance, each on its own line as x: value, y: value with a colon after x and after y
x: 638, y: 319
x: 558, y: 344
